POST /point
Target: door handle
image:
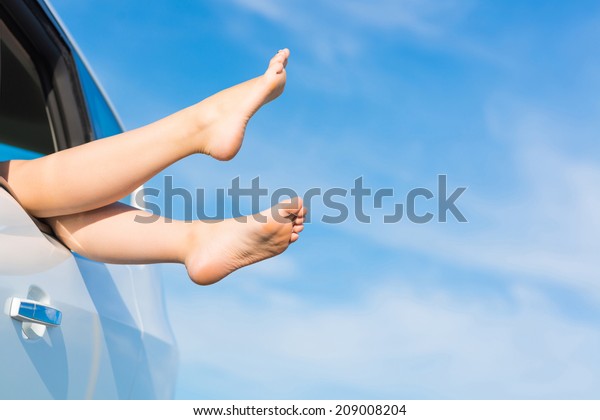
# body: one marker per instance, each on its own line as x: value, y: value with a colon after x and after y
x: 26, y: 310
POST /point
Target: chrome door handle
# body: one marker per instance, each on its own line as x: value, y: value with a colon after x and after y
x: 26, y: 310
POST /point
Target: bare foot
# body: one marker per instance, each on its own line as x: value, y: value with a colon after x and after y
x: 218, y: 249
x: 222, y: 118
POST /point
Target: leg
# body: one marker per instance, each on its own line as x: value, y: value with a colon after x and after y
x: 101, y: 172
x: 210, y: 250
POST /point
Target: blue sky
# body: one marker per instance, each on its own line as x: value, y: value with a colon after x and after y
x: 500, y: 96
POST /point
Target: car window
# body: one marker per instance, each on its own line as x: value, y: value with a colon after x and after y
x: 103, y: 119
x: 25, y: 130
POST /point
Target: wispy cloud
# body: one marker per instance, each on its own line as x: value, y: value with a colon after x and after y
x: 392, y: 343
x: 423, y: 18
x: 544, y: 227
x: 336, y: 36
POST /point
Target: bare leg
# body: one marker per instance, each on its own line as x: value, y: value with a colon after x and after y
x: 210, y: 250
x: 101, y: 172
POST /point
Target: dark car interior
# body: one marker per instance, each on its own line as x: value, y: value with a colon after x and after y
x: 40, y: 97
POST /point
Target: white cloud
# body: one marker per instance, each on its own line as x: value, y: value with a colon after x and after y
x: 271, y: 10
x: 544, y: 228
x: 392, y: 343
x: 334, y: 37
x: 423, y: 18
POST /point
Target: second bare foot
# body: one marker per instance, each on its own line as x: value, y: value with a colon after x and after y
x: 221, y: 119
x: 217, y: 249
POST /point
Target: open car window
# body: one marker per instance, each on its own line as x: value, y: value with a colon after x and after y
x: 25, y: 129
x: 42, y: 106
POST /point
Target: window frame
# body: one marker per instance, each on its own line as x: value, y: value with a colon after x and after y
x: 53, y: 59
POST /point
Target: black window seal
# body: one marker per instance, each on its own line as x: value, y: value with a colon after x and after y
x: 52, y: 56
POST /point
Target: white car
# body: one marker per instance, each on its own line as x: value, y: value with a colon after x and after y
x: 69, y: 327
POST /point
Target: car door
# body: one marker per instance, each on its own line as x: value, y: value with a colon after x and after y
x: 96, y: 349
x: 37, y: 361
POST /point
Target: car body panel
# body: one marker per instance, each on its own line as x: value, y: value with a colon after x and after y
x: 60, y: 363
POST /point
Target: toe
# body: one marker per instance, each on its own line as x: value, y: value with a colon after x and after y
x: 279, y: 61
x: 286, y: 55
x: 278, y: 58
x: 290, y: 208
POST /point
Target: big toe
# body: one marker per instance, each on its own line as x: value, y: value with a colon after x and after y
x: 279, y: 61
